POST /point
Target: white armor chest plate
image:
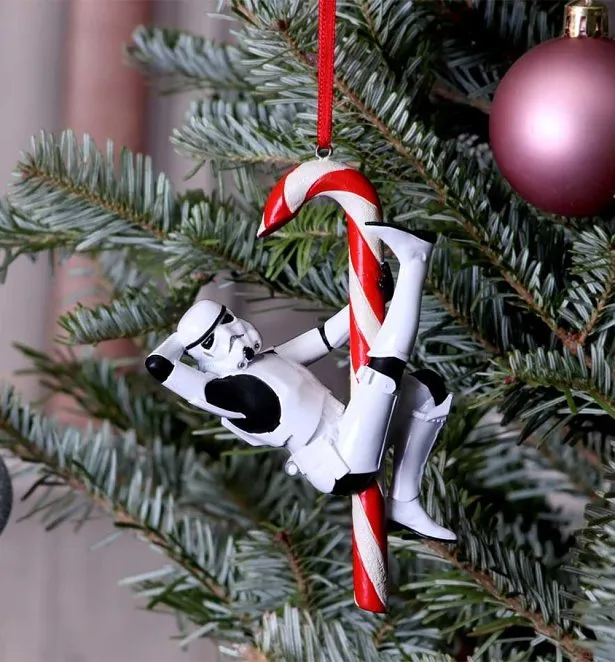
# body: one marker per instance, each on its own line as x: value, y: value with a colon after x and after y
x: 301, y: 397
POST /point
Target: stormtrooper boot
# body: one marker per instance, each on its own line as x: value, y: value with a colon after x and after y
x: 420, y: 414
x: 363, y: 429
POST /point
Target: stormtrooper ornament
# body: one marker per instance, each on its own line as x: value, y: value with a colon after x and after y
x: 268, y: 397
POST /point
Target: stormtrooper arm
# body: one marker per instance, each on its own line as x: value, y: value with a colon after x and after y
x: 333, y: 334
x: 164, y: 364
x: 316, y: 343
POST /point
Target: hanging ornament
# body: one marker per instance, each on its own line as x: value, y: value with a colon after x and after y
x: 552, y: 126
x: 268, y: 397
x: 368, y: 331
x: 379, y: 347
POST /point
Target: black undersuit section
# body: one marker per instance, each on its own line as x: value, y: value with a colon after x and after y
x: 386, y: 282
x: 434, y: 383
x: 353, y: 483
x: 390, y: 366
x: 323, y: 335
x: 425, y: 235
x: 247, y: 395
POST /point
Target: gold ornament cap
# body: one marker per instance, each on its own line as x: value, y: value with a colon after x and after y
x: 585, y: 18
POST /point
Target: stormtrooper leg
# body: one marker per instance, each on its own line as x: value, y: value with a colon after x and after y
x: 412, y: 249
x: 420, y: 414
x: 363, y: 428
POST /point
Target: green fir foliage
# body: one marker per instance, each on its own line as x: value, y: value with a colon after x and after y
x: 517, y: 317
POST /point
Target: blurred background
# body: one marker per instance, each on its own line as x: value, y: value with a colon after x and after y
x: 63, y: 66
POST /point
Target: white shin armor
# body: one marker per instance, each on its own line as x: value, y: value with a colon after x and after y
x: 413, y: 435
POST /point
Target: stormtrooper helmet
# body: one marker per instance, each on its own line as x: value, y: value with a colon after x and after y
x: 216, y: 339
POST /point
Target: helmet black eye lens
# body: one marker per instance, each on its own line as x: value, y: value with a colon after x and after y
x: 227, y: 319
x: 208, y: 342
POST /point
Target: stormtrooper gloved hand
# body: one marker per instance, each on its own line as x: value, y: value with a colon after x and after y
x: 161, y: 361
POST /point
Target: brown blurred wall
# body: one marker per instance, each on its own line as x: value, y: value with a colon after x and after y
x: 65, y: 605
x: 32, y: 36
x: 108, y: 100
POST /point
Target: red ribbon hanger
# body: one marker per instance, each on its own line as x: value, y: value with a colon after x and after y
x: 326, y: 68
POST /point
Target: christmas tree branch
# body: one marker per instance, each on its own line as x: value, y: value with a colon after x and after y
x: 132, y: 314
x: 591, y: 295
x: 599, y: 309
x: 577, y: 385
x: 74, y: 476
x: 472, y: 594
x: 441, y: 90
x: 16, y: 228
x: 565, y: 641
x: 592, y: 561
x: 241, y: 132
x: 102, y: 392
x: 33, y: 174
x: 493, y: 459
x: 84, y: 184
x: 284, y: 538
x: 216, y: 236
x: 573, y: 462
x: 461, y: 319
x: 555, y: 460
x: 566, y: 338
x: 487, y: 326
x: 140, y: 490
x: 180, y: 60
x: 197, y: 235
x: 501, y: 565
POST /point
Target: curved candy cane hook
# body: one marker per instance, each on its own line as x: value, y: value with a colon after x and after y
x: 359, y: 199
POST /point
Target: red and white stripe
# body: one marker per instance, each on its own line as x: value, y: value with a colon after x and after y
x: 359, y: 199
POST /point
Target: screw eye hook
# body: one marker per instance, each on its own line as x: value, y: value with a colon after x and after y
x: 323, y: 153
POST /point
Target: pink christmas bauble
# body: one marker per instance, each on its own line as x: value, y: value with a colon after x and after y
x: 552, y: 125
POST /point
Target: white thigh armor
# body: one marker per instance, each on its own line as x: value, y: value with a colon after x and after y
x: 319, y: 460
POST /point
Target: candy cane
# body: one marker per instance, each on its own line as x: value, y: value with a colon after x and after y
x: 357, y: 196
